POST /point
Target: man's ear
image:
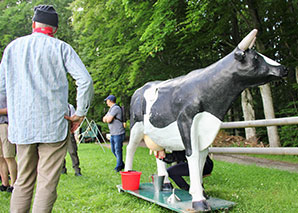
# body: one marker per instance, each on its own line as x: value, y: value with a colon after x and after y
x: 33, y: 25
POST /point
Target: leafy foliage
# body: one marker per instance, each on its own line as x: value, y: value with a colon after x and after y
x: 126, y: 43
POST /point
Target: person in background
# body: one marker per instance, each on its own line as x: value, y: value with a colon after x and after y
x: 8, y: 163
x: 33, y: 77
x: 3, y: 173
x: 117, y: 130
x: 72, y: 149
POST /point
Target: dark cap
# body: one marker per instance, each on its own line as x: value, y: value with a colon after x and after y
x: 111, y: 98
x: 45, y: 14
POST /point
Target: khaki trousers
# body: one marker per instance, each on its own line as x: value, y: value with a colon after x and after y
x: 7, y: 150
x: 40, y: 163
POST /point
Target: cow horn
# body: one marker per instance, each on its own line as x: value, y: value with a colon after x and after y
x: 248, y: 40
x: 252, y: 43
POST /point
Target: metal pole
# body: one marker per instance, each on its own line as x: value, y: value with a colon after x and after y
x: 89, y: 125
x: 93, y: 122
x: 255, y: 150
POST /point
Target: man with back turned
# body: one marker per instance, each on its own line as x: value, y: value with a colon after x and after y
x: 33, y: 77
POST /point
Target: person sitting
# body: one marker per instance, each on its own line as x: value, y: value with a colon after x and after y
x: 180, y: 169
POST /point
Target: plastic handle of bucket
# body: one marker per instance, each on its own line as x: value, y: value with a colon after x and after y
x: 151, y: 178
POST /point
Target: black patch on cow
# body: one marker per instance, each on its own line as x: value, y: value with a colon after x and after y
x: 138, y: 104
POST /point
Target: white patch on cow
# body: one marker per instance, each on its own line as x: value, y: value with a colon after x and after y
x: 167, y: 137
x: 196, y: 164
x: 269, y: 60
x: 204, y: 129
x: 150, y: 96
x: 162, y: 170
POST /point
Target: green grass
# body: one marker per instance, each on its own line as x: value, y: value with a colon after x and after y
x: 253, y: 188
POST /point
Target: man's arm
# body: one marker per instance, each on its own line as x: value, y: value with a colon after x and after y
x: 108, y: 118
x: 2, y: 74
x: 84, y: 83
x: 75, y: 121
x: 3, y: 111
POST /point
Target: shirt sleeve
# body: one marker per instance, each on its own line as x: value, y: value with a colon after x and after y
x: 72, y: 110
x: 114, y: 111
x: 78, y: 71
x: 2, y: 75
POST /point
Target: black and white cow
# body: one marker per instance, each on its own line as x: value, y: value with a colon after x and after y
x: 185, y: 113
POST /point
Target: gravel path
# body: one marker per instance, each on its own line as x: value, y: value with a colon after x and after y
x: 262, y: 162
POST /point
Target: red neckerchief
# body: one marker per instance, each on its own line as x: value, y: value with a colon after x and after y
x: 45, y: 30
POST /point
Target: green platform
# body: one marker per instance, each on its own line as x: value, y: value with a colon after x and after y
x: 146, y: 192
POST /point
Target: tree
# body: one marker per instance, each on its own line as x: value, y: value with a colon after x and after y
x: 296, y: 72
x: 128, y: 43
x: 249, y: 113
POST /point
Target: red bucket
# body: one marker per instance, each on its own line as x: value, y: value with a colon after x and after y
x: 130, y: 180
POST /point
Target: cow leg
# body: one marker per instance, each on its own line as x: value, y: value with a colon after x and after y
x: 191, y: 144
x: 162, y: 171
x: 196, y: 164
x: 161, y: 168
x: 136, y: 135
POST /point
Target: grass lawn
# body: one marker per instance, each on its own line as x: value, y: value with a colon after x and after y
x: 253, y: 188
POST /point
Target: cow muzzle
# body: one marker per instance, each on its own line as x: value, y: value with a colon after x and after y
x: 283, y: 71
x: 278, y: 71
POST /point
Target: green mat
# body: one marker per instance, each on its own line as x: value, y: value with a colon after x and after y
x: 146, y: 192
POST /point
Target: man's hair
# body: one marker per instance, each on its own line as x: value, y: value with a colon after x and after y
x: 38, y: 24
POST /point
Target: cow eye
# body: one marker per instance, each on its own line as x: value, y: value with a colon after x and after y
x: 239, y: 55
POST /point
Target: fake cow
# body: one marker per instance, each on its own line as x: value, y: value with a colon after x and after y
x: 185, y: 113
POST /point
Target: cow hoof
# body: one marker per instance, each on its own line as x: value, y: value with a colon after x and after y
x: 167, y: 187
x: 201, y: 206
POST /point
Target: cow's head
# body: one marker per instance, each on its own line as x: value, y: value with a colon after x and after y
x: 254, y: 68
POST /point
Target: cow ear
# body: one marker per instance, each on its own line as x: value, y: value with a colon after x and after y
x: 239, y: 55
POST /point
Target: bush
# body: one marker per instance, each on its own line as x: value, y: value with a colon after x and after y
x: 289, y: 136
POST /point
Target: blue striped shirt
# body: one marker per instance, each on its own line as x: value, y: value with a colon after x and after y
x: 33, y: 76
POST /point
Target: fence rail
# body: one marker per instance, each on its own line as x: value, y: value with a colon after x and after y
x: 254, y: 150
x: 259, y: 123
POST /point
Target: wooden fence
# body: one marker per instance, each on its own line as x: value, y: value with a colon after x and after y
x: 253, y: 150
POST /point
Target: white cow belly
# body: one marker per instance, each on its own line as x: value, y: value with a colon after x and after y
x: 167, y: 137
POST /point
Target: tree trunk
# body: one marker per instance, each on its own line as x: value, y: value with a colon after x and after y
x: 272, y: 132
x: 296, y: 74
x: 248, y: 113
x: 265, y: 89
